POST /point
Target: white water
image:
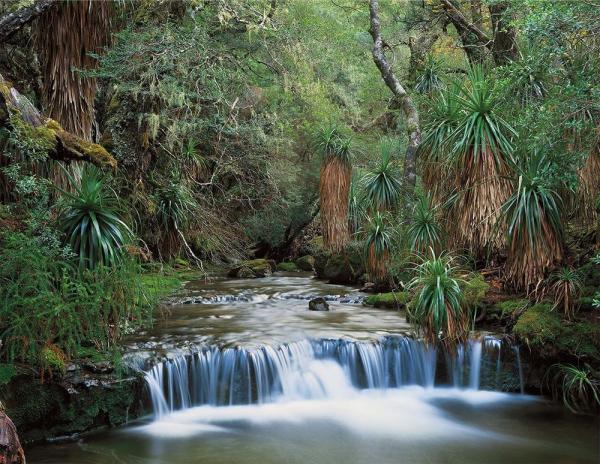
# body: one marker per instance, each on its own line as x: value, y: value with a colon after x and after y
x: 311, y: 370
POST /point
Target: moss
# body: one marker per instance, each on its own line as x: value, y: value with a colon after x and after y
x: 159, y: 285
x: 287, y: 267
x: 544, y: 330
x: 306, y: 263
x: 97, y: 154
x: 504, y: 309
x: 53, y: 358
x: 252, y: 268
x: 388, y: 300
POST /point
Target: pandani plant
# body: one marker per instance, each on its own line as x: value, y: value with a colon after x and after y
x: 90, y: 220
x: 532, y: 218
x: 357, y: 213
x: 482, y: 155
x: 381, y: 185
x: 377, y: 244
x: 575, y: 386
x: 566, y: 285
x: 424, y: 230
x: 435, y: 146
x: 430, y: 79
x: 439, y: 309
x: 334, y: 186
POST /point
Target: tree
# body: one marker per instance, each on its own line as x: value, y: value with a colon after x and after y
x: 401, y: 98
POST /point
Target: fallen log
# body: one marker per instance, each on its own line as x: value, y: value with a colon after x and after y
x: 14, y: 21
x: 62, y: 145
x: 11, y: 451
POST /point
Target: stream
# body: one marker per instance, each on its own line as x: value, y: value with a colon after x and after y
x: 247, y: 374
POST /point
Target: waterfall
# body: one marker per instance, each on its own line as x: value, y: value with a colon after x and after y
x: 310, y: 369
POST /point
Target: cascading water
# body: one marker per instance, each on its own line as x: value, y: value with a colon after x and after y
x: 310, y: 369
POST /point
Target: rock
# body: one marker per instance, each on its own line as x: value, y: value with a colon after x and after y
x: 343, y: 269
x: 318, y: 304
x: 11, y: 451
x: 252, y: 269
x: 306, y: 263
x: 368, y: 287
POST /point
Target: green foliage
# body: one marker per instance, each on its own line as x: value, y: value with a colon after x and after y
x: 578, y: 389
x: 382, y: 184
x: 378, y: 243
x: 47, y: 304
x: 440, y: 125
x: 7, y: 372
x: 90, y: 220
x: 438, y: 307
x: 287, y: 267
x: 424, y: 230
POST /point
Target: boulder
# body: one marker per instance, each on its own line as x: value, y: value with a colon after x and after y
x: 252, y: 269
x: 306, y: 263
x: 11, y: 451
x: 388, y: 300
x: 343, y: 269
x: 318, y: 304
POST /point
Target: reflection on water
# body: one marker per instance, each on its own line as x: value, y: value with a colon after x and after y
x: 316, y: 388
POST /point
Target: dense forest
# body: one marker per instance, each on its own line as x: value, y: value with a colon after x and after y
x: 444, y: 155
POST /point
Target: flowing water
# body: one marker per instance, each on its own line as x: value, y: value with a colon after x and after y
x: 248, y: 375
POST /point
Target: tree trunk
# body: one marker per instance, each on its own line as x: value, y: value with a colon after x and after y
x: 474, y: 41
x: 504, y: 49
x: 11, y: 451
x: 419, y: 47
x: 401, y: 98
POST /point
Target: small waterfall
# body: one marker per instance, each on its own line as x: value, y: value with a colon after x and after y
x: 309, y: 369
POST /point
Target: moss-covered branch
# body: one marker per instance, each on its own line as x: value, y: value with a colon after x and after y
x: 62, y: 145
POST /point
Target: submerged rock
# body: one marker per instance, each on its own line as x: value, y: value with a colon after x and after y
x: 318, y: 304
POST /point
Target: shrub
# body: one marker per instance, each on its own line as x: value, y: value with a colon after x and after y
x: 566, y: 286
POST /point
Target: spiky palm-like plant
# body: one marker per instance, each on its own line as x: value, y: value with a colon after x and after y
x: 430, y: 78
x: 439, y: 309
x: 566, y: 285
x: 356, y: 208
x: 90, y: 220
x: 378, y: 243
x: 382, y: 186
x: 435, y: 147
x: 482, y: 156
x: 589, y: 184
x: 334, y: 186
x: 532, y: 217
x: 424, y: 231
x: 577, y: 387
x: 175, y: 205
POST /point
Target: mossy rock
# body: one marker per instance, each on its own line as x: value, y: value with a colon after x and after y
x: 288, y: 266
x: 544, y: 331
x: 51, y: 409
x: 388, y: 300
x: 475, y: 289
x: 306, y: 263
x: 253, y: 268
x: 505, y: 309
